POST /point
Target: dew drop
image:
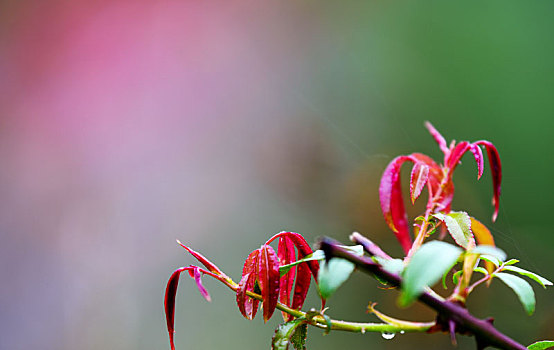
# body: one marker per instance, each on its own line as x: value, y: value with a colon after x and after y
x: 387, y: 335
x: 402, y: 332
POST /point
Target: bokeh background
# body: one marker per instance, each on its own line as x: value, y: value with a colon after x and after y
x: 125, y: 125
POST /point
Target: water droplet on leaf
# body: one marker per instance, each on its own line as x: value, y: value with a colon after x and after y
x: 388, y: 335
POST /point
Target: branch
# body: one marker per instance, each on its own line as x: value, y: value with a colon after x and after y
x: 312, y: 317
x: 370, y: 247
x: 339, y: 325
x: 485, y: 333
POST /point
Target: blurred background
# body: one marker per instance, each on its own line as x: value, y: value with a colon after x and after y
x: 125, y: 125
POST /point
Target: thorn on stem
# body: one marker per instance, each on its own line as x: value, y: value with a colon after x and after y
x: 452, y: 330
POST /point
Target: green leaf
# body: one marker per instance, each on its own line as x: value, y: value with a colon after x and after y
x: 540, y: 280
x: 489, y: 250
x: 491, y: 259
x: 511, y: 262
x: 381, y: 280
x: 445, y: 274
x: 333, y: 273
x: 285, y: 332
x: 426, y: 267
x: 481, y: 269
x: 355, y: 249
x: 299, y: 336
x: 541, y: 345
x: 444, y: 279
x: 432, y: 229
x: 395, y: 266
x: 523, y: 290
x: 317, y: 255
x: 456, y: 276
x: 458, y: 224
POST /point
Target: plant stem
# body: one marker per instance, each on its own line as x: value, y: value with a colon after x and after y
x: 485, y: 333
x: 370, y: 247
x: 339, y: 325
x: 419, y: 238
x: 484, y: 279
x: 470, y: 288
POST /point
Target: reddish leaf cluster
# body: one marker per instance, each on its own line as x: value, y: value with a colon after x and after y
x: 437, y: 178
x: 288, y: 241
x: 260, y: 275
x: 261, y: 271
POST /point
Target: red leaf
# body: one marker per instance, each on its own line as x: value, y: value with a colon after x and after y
x: 418, y: 179
x: 248, y: 306
x: 169, y: 302
x: 435, y: 172
x: 197, y: 278
x: 456, y: 154
x: 207, y: 263
x: 478, y: 154
x: 494, y: 161
x: 302, y: 246
x: 287, y: 255
x: 496, y: 170
x: 301, y: 287
x: 438, y: 137
x: 445, y: 199
x: 460, y: 150
x: 303, y: 270
x: 171, y: 291
x: 268, y: 278
x: 436, y: 176
x: 392, y: 204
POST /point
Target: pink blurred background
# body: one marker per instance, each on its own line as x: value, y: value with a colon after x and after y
x: 126, y: 125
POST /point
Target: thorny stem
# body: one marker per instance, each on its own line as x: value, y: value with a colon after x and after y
x: 370, y: 247
x: 374, y: 250
x: 339, y: 325
x: 485, y: 333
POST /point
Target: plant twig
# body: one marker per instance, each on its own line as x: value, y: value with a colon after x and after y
x: 370, y: 247
x: 339, y: 325
x: 483, y: 330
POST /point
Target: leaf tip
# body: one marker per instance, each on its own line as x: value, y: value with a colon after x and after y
x: 171, y: 341
x: 405, y: 300
x: 495, y: 213
x: 437, y: 136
